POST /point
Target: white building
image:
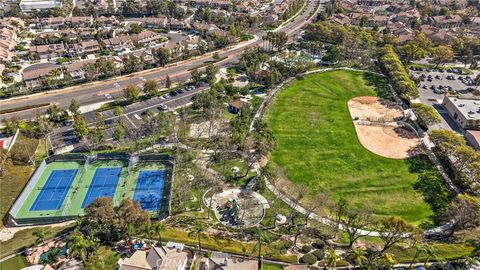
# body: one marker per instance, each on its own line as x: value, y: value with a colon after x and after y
x: 30, y: 5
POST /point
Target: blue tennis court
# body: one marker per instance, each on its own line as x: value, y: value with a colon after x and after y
x: 104, y: 184
x: 54, y: 191
x: 149, y: 189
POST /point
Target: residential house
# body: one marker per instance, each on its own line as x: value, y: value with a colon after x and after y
x: 474, y: 23
x: 53, y: 23
x: 402, y: 32
x: 8, y: 41
x: 146, y: 55
x: 170, y: 257
x: 221, y: 4
x: 225, y: 261
x: 438, y: 36
x: 107, y: 21
x: 236, y: 106
x: 447, y: 21
x: 32, y: 75
x: 200, y: 3
x: 84, y: 48
x: 373, y: 3
x: 174, y: 48
x: 160, y: 22
x: 340, y: 19
x: 179, y: 25
x: 408, y: 16
x: 71, y: 34
x: 465, y: 111
x: 202, y: 28
x: 146, y: 37
x: 76, y: 69
x: 48, y: 51
x: 79, y: 21
x: 118, y: 43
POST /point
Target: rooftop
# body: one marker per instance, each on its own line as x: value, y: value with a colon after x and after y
x: 469, y: 108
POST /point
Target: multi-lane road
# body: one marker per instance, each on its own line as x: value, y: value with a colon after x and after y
x: 104, y: 91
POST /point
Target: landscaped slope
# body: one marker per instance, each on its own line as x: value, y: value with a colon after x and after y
x: 317, y: 145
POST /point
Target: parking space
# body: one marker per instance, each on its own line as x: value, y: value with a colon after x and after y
x: 434, y: 84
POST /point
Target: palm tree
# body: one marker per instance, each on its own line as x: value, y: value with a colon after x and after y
x: 40, y: 235
x: 198, y: 231
x: 79, y: 246
x: 147, y: 229
x: 130, y: 231
x: 261, y: 237
x: 158, y: 228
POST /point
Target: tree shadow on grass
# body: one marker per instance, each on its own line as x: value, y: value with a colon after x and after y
x: 380, y: 84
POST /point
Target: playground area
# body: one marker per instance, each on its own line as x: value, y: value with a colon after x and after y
x: 379, y: 129
x: 61, y: 188
x: 238, y: 208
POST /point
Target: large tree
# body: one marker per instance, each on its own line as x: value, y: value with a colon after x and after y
x: 131, y: 92
x: 150, y: 88
x: 442, y: 55
x: 80, y: 126
x: 393, y: 230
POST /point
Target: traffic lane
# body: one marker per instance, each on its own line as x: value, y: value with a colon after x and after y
x: 85, y: 96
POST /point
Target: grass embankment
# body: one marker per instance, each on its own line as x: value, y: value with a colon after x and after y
x: 269, y: 251
x: 15, y: 263
x: 24, y: 238
x: 317, y: 146
x: 16, y: 173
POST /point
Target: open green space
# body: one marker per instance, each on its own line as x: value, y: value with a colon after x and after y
x: 317, y: 146
x: 15, y: 263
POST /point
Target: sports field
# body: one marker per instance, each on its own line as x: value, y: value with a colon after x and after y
x: 317, y: 146
x: 65, y: 188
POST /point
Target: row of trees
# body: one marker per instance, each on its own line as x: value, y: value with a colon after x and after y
x: 351, y: 43
x: 463, y: 159
x: 396, y: 72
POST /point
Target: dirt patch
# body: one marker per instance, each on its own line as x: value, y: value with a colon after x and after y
x: 374, y: 109
x: 377, y: 131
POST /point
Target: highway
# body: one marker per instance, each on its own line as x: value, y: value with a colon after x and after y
x: 107, y: 90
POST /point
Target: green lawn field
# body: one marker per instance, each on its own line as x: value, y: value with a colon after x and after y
x: 317, y: 146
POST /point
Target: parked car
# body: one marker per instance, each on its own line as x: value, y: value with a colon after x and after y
x: 162, y: 107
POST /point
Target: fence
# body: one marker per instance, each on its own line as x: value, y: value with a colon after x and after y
x: 104, y: 156
x: 70, y: 157
x: 28, y: 188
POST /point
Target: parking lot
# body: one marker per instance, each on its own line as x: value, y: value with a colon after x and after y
x: 132, y: 114
x: 435, y: 84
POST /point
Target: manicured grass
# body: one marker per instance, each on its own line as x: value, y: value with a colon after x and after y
x: 25, y: 238
x: 269, y: 266
x: 442, y: 252
x: 317, y: 146
x: 15, y: 263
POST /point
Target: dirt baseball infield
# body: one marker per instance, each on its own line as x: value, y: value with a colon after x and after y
x: 377, y: 131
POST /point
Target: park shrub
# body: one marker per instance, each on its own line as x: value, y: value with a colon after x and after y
x: 319, y: 254
x: 306, y: 248
x: 308, y: 258
x: 319, y: 244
